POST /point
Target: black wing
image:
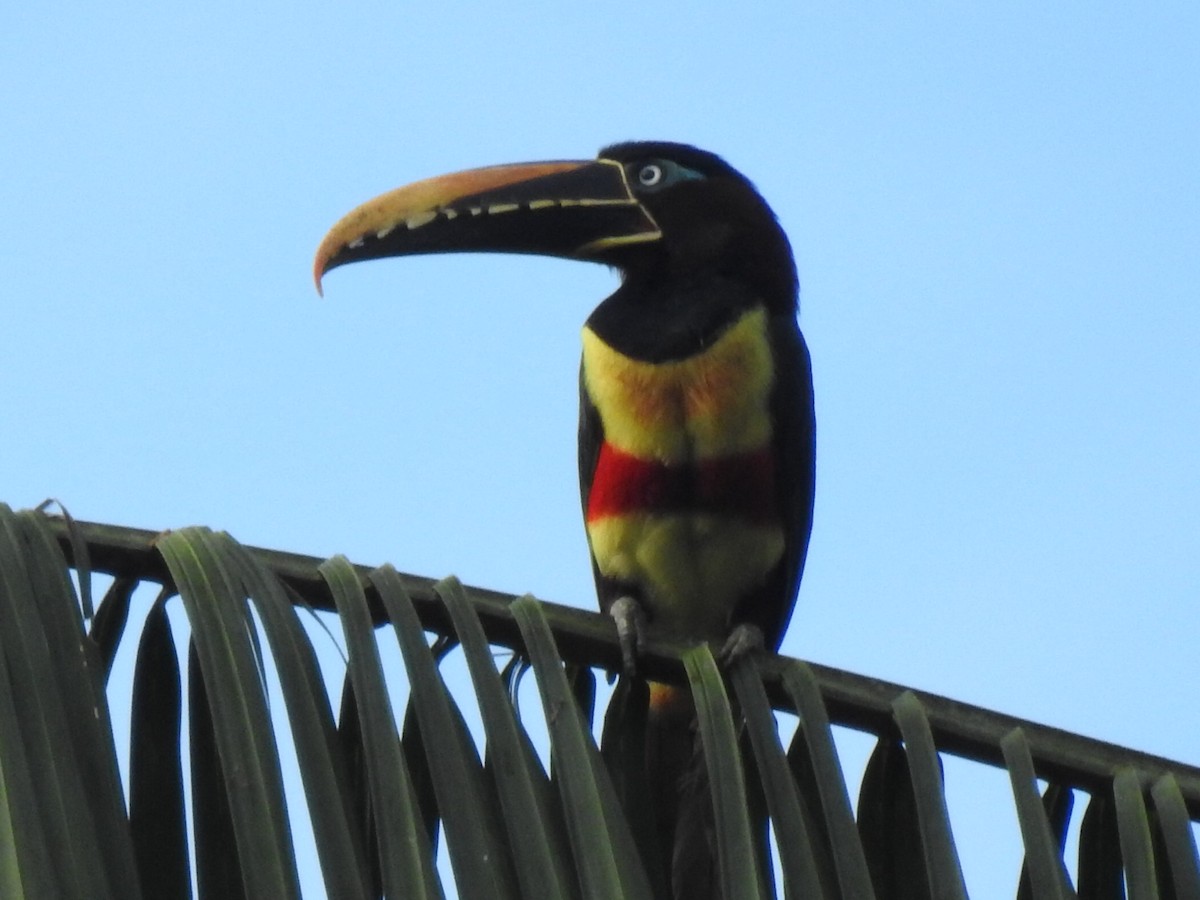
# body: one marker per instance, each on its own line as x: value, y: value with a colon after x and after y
x: 591, y: 436
x: 794, y: 449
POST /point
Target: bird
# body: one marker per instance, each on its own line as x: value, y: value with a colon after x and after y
x: 697, y: 432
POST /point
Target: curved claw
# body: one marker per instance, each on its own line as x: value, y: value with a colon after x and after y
x: 744, y: 640
x: 630, y: 619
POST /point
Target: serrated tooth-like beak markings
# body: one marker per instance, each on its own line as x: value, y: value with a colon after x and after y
x: 400, y: 222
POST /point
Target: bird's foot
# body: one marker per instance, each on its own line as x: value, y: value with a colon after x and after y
x: 744, y: 640
x: 630, y: 619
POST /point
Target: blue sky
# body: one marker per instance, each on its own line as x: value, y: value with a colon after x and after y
x: 996, y: 215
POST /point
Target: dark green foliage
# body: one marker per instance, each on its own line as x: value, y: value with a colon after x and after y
x: 385, y: 784
x: 887, y: 821
x: 157, y: 819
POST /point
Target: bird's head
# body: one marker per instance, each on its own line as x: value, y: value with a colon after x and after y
x: 654, y: 210
x: 710, y: 218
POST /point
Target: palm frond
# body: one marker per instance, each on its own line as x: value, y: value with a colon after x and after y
x: 388, y: 782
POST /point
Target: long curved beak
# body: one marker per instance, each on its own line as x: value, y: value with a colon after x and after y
x: 576, y: 210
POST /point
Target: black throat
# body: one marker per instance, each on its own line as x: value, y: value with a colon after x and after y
x: 672, y: 321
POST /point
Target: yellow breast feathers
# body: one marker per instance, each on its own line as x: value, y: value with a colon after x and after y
x: 711, y: 404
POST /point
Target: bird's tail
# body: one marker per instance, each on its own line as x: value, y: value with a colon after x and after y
x: 656, y: 757
x: 657, y: 766
x: 677, y: 776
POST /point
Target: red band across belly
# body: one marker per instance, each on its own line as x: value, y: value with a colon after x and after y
x: 740, y: 485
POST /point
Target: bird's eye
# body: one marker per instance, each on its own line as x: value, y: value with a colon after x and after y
x: 650, y: 174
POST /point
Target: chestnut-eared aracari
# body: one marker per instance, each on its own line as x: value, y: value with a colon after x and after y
x: 696, y: 427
